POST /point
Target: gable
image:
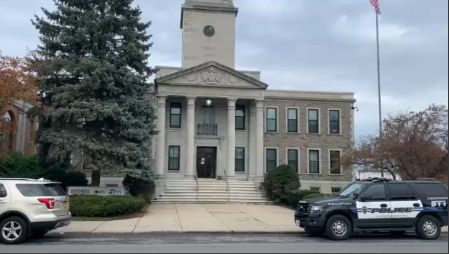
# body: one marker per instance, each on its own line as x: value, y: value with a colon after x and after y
x: 212, y: 74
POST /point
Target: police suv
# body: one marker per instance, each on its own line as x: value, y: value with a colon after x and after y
x: 377, y: 205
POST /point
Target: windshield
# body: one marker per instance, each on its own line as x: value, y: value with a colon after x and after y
x: 352, y: 190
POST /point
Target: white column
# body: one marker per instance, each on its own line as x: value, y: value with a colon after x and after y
x: 252, y: 142
x: 259, y: 139
x: 160, y: 152
x: 190, y: 148
x: 231, y: 138
x: 21, y: 132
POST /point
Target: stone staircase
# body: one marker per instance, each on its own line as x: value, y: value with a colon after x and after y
x: 203, y: 191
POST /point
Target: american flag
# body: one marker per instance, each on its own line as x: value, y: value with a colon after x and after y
x: 376, y: 6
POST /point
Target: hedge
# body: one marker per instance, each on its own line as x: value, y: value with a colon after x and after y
x: 105, y: 206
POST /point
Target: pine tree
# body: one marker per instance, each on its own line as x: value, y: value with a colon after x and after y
x: 94, y: 81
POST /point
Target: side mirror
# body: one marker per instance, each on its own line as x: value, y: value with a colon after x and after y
x: 2, y: 193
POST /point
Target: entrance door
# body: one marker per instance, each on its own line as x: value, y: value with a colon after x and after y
x: 206, y: 162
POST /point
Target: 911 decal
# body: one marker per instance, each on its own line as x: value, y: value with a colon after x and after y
x: 439, y: 204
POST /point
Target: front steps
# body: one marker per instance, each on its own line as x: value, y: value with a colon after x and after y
x: 211, y: 191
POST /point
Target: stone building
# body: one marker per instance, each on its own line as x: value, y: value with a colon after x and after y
x: 17, y: 130
x: 219, y: 122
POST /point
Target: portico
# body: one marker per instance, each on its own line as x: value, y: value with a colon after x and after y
x: 202, y: 101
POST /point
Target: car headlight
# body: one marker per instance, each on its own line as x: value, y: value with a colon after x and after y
x: 317, y: 208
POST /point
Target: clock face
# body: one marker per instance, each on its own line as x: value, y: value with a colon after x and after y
x: 209, y: 31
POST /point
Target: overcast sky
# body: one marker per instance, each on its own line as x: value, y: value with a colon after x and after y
x: 324, y: 45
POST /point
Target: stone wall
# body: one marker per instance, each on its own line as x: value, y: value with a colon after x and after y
x: 302, y: 140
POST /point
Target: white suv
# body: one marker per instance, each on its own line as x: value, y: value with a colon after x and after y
x: 31, y: 207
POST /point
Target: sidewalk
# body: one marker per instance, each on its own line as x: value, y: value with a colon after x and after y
x: 196, y: 218
x: 192, y: 218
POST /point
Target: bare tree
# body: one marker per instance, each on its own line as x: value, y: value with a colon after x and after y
x: 414, y: 145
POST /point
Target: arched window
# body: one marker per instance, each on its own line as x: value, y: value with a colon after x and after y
x: 7, y: 131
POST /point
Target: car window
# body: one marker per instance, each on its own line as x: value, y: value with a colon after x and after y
x: 38, y: 190
x: 435, y: 190
x: 2, y: 191
x: 374, y: 192
x: 401, y: 191
x: 352, y: 189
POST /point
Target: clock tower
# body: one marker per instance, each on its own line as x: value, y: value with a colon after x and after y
x: 208, y: 32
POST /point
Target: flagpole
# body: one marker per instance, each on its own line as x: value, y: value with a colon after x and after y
x: 379, y: 88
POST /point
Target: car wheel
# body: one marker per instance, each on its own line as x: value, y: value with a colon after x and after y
x: 38, y: 233
x: 428, y: 228
x: 338, y: 227
x: 13, y: 230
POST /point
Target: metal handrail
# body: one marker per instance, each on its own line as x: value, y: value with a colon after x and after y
x: 207, y: 129
x: 228, y: 189
x: 197, y: 188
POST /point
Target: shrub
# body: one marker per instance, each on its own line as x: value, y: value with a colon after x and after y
x: 279, y: 182
x: 99, y: 206
x: 139, y: 187
x: 74, y: 178
x: 20, y: 166
x: 292, y: 198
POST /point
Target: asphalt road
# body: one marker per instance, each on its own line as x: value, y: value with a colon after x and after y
x: 221, y: 243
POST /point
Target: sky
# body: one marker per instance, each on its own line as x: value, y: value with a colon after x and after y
x: 316, y: 45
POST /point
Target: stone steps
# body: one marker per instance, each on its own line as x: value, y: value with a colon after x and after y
x: 210, y: 191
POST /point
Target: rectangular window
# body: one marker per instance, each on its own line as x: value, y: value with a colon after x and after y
x: 401, y: 191
x: 313, y: 119
x: 336, y: 190
x: 315, y: 189
x: 292, y: 120
x: 240, y: 117
x: 174, y: 153
x: 314, y: 161
x: 335, y: 162
x: 272, y: 120
x: 334, y: 121
x: 36, y: 190
x: 239, y: 159
x: 292, y: 155
x: 175, y: 115
x: 272, y: 160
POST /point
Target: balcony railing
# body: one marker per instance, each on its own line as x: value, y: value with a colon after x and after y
x: 207, y: 129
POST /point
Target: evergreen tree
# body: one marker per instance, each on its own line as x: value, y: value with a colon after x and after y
x: 94, y: 82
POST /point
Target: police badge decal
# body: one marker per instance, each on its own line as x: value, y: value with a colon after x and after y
x: 365, y: 210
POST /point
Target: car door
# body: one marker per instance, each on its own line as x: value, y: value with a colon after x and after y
x: 3, y: 199
x: 405, y: 206
x: 372, y: 207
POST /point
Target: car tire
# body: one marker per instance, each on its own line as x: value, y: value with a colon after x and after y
x: 428, y: 228
x: 338, y: 227
x: 13, y: 230
x: 38, y: 233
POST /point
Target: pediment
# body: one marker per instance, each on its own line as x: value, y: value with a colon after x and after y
x: 212, y: 74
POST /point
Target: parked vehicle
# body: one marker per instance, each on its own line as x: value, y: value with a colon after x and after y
x: 378, y: 205
x: 31, y: 207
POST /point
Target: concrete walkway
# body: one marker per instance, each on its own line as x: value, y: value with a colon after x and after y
x: 183, y: 218
x: 195, y: 218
